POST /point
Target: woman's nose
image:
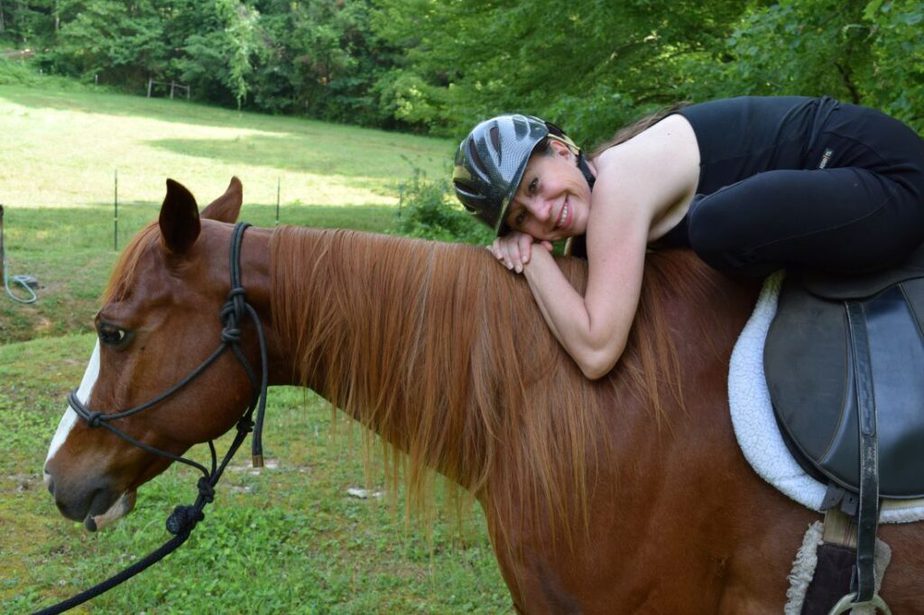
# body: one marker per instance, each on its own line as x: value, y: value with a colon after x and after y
x: 540, y: 208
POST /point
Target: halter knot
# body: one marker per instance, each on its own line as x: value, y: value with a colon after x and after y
x: 235, y: 303
x: 183, y: 519
x: 94, y: 419
x: 206, y: 490
x: 231, y: 335
x: 245, y: 425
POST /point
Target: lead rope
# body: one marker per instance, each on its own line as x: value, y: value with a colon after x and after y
x: 183, y: 519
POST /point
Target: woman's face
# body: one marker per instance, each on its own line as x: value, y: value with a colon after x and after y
x: 553, y: 199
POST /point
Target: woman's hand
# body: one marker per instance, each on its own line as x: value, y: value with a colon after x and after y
x: 514, y: 249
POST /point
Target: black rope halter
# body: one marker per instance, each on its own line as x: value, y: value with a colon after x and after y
x: 183, y: 519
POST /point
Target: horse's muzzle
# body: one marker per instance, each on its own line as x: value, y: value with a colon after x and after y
x: 92, y: 501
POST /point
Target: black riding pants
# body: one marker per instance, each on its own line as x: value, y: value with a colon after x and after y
x: 860, y: 207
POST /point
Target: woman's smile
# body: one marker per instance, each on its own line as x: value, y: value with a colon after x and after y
x: 564, y: 216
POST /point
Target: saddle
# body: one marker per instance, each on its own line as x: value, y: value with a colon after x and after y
x: 844, y: 361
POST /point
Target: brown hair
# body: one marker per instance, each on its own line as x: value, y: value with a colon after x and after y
x: 639, y: 126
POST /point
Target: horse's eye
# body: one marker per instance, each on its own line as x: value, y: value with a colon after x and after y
x: 111, y: 335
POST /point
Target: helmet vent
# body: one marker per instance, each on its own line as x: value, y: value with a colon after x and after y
x: 495, y: 138
x: 475, y: 158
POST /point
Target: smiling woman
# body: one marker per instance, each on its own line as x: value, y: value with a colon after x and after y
x: 750, y: 184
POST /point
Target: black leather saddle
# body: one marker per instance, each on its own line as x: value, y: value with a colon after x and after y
x: 809, y: 360
x: 844, y: 361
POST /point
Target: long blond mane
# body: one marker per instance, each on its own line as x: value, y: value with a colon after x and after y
x: 446, y: 356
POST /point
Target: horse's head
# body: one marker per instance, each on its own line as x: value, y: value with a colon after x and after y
x: 159, y: 321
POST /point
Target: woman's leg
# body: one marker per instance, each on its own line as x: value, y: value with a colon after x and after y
x: 841, y: 219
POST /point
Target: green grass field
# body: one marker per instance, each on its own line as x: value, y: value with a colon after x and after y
x: 287, y: 539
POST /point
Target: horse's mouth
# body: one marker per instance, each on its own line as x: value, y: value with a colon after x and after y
x: 119, y: 509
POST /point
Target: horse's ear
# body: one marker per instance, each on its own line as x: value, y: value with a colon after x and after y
x: 179, y: 218
x: 227, y: 207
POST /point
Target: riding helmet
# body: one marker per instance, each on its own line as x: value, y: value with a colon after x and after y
x: 491, y: 161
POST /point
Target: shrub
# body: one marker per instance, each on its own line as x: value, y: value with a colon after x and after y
x: 428, y: 210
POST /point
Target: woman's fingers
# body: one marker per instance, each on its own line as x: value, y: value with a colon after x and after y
x: 513, y: 250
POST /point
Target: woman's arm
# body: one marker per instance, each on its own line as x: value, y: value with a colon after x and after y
x: 594, y: 328
x: 638, y: 183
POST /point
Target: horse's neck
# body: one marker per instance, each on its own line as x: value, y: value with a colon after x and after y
x: 410, y: 338
x: 346, y: 332
x: 256, y: 279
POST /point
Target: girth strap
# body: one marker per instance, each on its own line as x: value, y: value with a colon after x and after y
x: 868, y: 516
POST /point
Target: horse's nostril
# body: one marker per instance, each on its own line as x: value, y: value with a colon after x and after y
x: 50, y: 484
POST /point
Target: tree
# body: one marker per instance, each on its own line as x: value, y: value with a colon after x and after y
x: 218, y: 52
x: 593, y: 65
x: 321, y: 59
x: 589, y: 64
x: 122, y: 42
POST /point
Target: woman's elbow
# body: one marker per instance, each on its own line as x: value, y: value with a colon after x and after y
x: 596, y: 365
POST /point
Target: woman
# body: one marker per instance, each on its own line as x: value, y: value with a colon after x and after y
x: 750, y: 184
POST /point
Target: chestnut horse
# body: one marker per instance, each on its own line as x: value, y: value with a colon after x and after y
x: 627, y: 494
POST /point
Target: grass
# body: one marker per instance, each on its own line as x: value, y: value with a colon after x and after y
x: 70, y: 145
x: 286, y: 539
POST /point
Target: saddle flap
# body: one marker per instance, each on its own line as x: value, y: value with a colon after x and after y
x: 808, y: 364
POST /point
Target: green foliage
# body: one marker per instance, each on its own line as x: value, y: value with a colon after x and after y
x: 589, y: 65
x: 439, y: 67
x: 592, y: 66
x: 321, y: 59
x: 896, y: 82
x: 429, y: 211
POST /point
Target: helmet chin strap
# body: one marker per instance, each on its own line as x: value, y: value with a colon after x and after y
x: 585, y: 170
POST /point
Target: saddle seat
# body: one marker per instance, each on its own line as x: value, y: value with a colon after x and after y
x: 809, y: 365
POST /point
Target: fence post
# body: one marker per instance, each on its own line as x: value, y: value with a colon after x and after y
x: 150, y: 85
x: 2, y: 254
x: 278, y: 184
x: 115, y: 219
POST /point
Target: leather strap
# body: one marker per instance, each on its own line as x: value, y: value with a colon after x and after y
x: 868, y: 517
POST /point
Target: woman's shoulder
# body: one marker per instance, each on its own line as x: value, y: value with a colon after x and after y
x: 671, y: 141
x: 656, y: 171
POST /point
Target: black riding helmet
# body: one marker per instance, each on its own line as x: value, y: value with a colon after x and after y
x: 492, y: 159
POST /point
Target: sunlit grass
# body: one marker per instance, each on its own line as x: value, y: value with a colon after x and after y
x: 66, y: 151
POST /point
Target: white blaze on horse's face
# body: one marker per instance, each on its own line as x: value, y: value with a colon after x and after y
x: 70, y: 417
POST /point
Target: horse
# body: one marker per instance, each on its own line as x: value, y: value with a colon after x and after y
x: 627, y: 494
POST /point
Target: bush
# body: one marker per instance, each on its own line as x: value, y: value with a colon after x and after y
x: 429, y: 210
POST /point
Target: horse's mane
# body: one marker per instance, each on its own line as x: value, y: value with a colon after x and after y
x: 123, y: 273
x: 445, y: 354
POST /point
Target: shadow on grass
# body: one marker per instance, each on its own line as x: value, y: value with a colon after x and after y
x: 326, y: 153
x: 71, y: 253
x: 298, y: 144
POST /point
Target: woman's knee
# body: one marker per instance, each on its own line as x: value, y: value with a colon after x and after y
x: 718, y: 238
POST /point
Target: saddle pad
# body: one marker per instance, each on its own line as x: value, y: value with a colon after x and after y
x: 756, y: 427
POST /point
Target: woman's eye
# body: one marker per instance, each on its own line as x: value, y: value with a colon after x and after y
x: 520, y: 219
x: 112, y: 336
x: 533, y: 186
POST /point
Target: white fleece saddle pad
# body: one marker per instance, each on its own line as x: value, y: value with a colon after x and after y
x: 757, y: 430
